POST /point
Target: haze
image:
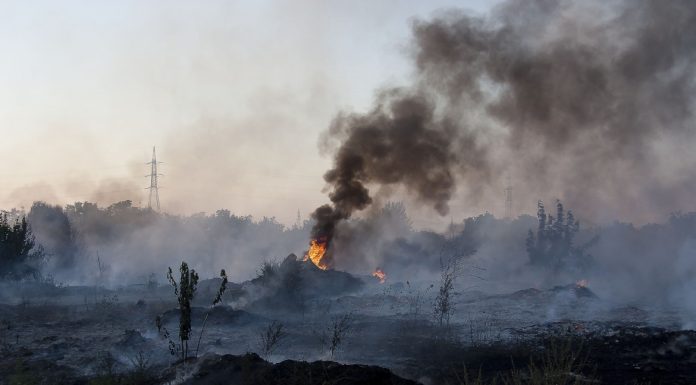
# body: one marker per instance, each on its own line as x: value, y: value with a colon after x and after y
x: 227, y: 91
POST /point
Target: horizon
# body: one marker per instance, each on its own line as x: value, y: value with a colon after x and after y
x: 240, y: 111
x: 93, y: 86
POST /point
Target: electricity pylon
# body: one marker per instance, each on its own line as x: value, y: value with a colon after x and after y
x: 154, y: 190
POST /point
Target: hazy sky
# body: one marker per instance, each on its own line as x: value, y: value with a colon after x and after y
x: 233, y: 94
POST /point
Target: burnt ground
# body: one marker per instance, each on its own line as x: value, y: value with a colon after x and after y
x: 81, y: 335
x: 624, y: 355
x: 252, y: 369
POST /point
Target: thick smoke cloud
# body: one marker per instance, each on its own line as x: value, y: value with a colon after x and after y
x: 397, y: 143
x: 584, y: 101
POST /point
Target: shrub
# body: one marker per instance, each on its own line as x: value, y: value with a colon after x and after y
x: 270, y: 338
x: 184, y: 290
x: 336, y: 333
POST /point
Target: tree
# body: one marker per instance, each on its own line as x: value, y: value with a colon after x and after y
x: 530, y: 245
x: 394, y: 215
x: 553, y: 245
x: 19, y: 254
x: 52, y: 229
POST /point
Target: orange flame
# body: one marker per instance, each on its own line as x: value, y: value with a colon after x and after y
x: 581, y: 283
x: 381, y: 275
x: 316, y: 252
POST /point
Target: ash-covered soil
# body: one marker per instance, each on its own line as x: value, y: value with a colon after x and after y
x: 64, y: 335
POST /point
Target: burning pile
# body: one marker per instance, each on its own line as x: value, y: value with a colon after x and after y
x: 316, y: 252
x: 381, y: 275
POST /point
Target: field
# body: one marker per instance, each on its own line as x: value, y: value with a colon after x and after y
x: 564, y: 334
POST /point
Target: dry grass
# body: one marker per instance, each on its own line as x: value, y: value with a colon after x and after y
x: 561, y: 363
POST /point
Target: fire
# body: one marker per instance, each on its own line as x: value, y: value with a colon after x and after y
x: 381, y: 275
x: 316, y: 252
x: 581, y: 283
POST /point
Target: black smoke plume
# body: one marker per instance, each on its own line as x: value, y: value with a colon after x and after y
x: 399, y: 142
x: 584, y: 100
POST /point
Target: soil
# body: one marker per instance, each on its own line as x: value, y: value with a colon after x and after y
x: 81, y: 335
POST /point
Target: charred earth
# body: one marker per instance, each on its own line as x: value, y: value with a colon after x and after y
x: 333, y: 327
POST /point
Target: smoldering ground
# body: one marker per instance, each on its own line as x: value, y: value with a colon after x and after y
x: 390, y: 324
x: 578, y: 100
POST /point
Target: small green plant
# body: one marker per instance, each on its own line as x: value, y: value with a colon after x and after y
x: 270, y: 338
x: 184, y: 290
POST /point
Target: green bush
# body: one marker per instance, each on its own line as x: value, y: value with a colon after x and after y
x: 184, y: 290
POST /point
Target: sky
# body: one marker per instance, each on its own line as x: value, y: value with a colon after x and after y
x: 233, y: 94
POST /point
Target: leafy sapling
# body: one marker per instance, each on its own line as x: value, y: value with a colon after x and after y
x: 184, y: 290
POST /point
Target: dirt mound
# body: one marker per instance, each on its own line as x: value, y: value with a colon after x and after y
x: 318, y: 282
x: 287, y: 285
x: 207, y: 289
x: 131, y: 339
x: 577, y: 290
x: 251, y: 369
x: 526, y: 293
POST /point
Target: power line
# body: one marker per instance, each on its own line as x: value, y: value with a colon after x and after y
x: 154, y: 191
x: 508, y: 199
